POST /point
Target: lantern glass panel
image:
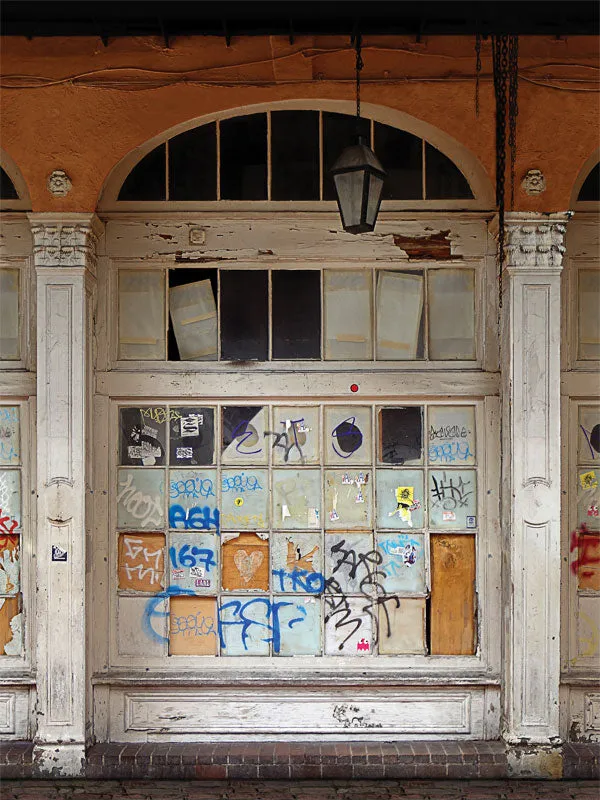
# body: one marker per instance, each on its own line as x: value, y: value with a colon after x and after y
x: 375, y: 187
x: 349, y: 187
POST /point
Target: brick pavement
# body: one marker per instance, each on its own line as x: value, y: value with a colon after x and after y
x: 308, y: 790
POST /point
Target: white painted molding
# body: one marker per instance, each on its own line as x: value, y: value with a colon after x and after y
x: 67, y: 241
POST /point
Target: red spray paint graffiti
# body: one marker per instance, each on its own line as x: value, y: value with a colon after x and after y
x: 587, y: 564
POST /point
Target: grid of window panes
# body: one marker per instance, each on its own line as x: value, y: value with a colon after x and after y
x: 403, y: 314
x: 11, y: 639
x: 296, y: 530
x: 287, y: 155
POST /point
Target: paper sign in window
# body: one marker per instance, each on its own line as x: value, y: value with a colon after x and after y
x: 193, y: 626
x: 399, y: 312
x: 402, y: 626
x: 192, y: 436
x: 451, y: 435
x: 348, y: 315
x: 451, y: 314
x: 141, y: 315
x: 194, y: 318
x: 589, y: 313
x: 141, y: 562
x: 10, y: 446
x: 9, y: 314
x: 143, y: 436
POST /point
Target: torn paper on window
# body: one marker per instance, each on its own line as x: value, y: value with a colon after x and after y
x: 348, y: 315
x: 9, y: 314
x: 194, y: 317
x: 451, y: 314
x: 141, y: 315
x: 399, y: 310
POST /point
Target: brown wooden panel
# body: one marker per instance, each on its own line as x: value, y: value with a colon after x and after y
x: 453, y: 624
x: 142, y: 562
x: 193, y: 626
x: 9, y: 608
x: 246, y: 563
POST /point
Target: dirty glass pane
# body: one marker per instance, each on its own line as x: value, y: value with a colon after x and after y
x: 297, y: 563
x: 451, y: 314
x: 348, y: 315
x: 348, y: 499
x: 244, y: 315
x: 244, y: 499
x: 348, y: 626
x: 348, y: 560
x: 588, y: 314
x: 193, y: 626
x: 347, y: 435
x: 401, y: 154
x: 451, y: 432
x: 147, y: 180
x: 10, y: 440
x: 193, y: 562
x: 400, y: 501
x: 192, y: 436
x: 247, y: 626
x: 588, y: 449
x: 141, y: 315
x: 9, y: 315
x: 10, y: 560
x: 443, y: 179
x: 193, y: 164
x: 10, y: 500
x: 401, y: 435
x: 141, y: 562
x: 140, y: 499
x: 143, y: 436
x: 243, y: 435
x: 403, y: 562
x: 296, y: 313
x: 296, y: 498
x: 400, y: 315
x: 300, y: 627
x: 585, y: 559
x: 190, y: 492
x: 142, y: 626
x: 588, y: 498
x: 244, y: 157
x: 452, y: 499
x: 295, y: 435
x: 402, y: 627
x: 295, y: 155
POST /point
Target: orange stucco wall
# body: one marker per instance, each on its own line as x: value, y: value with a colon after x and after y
x: 99, y: 106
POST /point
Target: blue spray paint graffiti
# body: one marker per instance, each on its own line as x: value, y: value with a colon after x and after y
x: 299, y: 580
x: 192, y: 557
x: 196, y: 519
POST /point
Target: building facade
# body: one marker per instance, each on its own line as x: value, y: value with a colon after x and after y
x: 262, y: 479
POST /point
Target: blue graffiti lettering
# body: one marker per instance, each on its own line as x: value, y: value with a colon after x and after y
x: 448, y: 452
x: 301, y: 581
x: 196, y: 519
x: 151, y: 611
x: 240, y: 612
x: 242, y: 433
x: 192, y: 487
x: 240, y: 483
x: 192, y: 556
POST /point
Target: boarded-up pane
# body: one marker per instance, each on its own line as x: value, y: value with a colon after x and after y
x: 347, y: 435
x: 589, y: 313
x: 295, y: 436
x: 402, y: 626
x: 11, y: 627
x: 141, y: 499
x: 348, y: 626
x: 588, y: 627
x: 402, y: 562
x: 348, y: 499
x: 401, y: 435
x: 10, y: 500
x: 248, y: 626
x: 585, y: 548
x: 141, y: 562
x: 296, y: 498
x: 399, y: 312
x: 588, y: 449
x: 243, y: 435
x: 453, y: 624
x: 350, y: 562
x: 244, y: 499
x: 142, y: 315
x: 193, y: 560
x: 451, y: 433
x: 143, y: 439
x: 142, y: 626
x: 400, y: 499
x: 451, y: 314
x: 9, y: 314
x: 9, y: 563
x: 300, y: 626
x: 348, y: 314
x: 194, y: 317
x: 245, y: 563
x: 193, y: 626
x: 192, y: 436
x: 297, y: 563
x: 453, y: 499
x: 10, y: 444
x: 588, y: 498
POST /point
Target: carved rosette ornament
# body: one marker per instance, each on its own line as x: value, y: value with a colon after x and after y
x: 534, y: 182
x: 58, y: 183
x: 64, y: 244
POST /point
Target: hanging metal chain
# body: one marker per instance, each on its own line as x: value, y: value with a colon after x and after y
x: 359, y: 66
x: 477, y: 70
x: 513, y: 109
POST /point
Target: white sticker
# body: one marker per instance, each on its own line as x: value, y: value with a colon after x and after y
x: 313, y: 517
x: 196, y: 572
x: 333, y: 515
x: 134, y: 451
x: 177, y: 574
x: 471, y: 522
x: 285, y: 512
x: 448, y: 516
x: 184, y: 452
x: 190, y: 425
x: 359, y: 498
x: 148, y: 431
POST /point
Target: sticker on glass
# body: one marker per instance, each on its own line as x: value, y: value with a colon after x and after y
x: 452, y: 498
x: 193, y: 562
x: 348, y: 498
x: 243, y: 435
x: 399, y: 498
x: 143, y: 436
x: 294, y: 438
x: 192, y: 436
x: 244, y: 499
x: 296, y: 498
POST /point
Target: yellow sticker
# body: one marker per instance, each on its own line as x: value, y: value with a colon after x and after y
x: 405, y: 495
x: 239, y: 501
x: 588, y: 480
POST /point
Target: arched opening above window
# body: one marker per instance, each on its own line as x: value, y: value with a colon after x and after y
x: 286, y: 155
x: 7, y: 187
x: 590, y: 190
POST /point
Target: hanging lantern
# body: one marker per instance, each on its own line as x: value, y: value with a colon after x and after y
x: 358, y: 175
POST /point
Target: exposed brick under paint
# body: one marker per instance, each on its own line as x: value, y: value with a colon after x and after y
x: 301, y: 761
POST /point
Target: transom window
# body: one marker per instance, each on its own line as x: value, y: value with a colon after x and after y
x: 286, y: 155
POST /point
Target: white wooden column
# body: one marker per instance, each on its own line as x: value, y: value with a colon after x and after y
x: 64, y: 257
x: 531, y: 444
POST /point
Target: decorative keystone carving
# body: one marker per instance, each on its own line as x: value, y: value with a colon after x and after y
x: 535, y: 244
x: 58, y: 183
x: 68, y: 244
x: 534, y: 182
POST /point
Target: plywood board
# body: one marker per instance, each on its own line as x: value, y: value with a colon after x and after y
x: 402, y: 627
x: 299, y: 627
x: 143, y: 436
x: 588, y: 498
x: 451, y: 314
x: 11, y: 627
x: 141, y: 315
x: 194, y: 317
x: 452, y: 499
x: 10, y: 500
x: 399, y: 311
x: 348, y: 499
x: 193, y: 626
x: 588, y: 443
x: 10, y: 446
x: 244, y: 499
x: 348, y: 626
x: 297, y: 562
x: 585, y: 563
x: 10, y: 560
x: 140, y: 498
x: 347, y: 435
x: 9, y: 314
x: 141, y: 565
x: 348, y: 314
x: 453, y: 623
x: 451, y: 435
x: 246, y: 626
x: 400, y: 498
x: 193, y: 562
x: 402, y: 562
x: 142, y: 626
x: 296, y: 499
x: 243, y: 438
x: 294, y: 436
x: 400, y: 435
x: 192, y: 436
x: 245, y: 561
x: 350, y: 562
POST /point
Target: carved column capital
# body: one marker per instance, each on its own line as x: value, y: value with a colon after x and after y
x: 535, y: 243
x: 68, y: 240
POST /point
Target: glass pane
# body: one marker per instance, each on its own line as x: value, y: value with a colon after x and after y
x: 348, y: 499
x: 190, y: 491
x: 244, y: 158
x: 588, y: 498
x: 300, y: 628
x: 142, y: 626
x: 348, y: 315
x: 244, y: 315
x: 296, y: 498
x: 400, y: 500
x: 589, y: 314
x: 296, y: 313
x: 10, y: 500
x: 244, y: 499
x: 193, y: 328
x: 192, y: 436
x: 453, y: 499
x: 297, y: 563
x: 140, y: 499
x: 247, y: 626
x: 347, y: 561
x: 402, y: 561
x: 7, y: 188
x: 339, y: 132
x: 9, y: 315
x: 10, y: 439
x: 401, y: 155
x: 193, y: 164
x: 588, y: 451
x: 295, y: 155
x: 401, y: 435
x: 347, y: 435
x: 243, y: 435
x: 451, y: 435
x: 400, y: 315
x: 451, y: 314
x: 402, y: 627
x: 147, y: 180
x: 295, y: 435
x: 348, y: 626
x: 193, y: 561
x: 591, y: 186
x: 143, y: 440
x: 443, y: 179
x: 350, y: 191
x: 141, y: 315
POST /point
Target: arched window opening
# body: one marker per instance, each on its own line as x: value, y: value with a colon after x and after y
x: 287, y: 156
x: 590, y: 190
x: 7, y: 187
